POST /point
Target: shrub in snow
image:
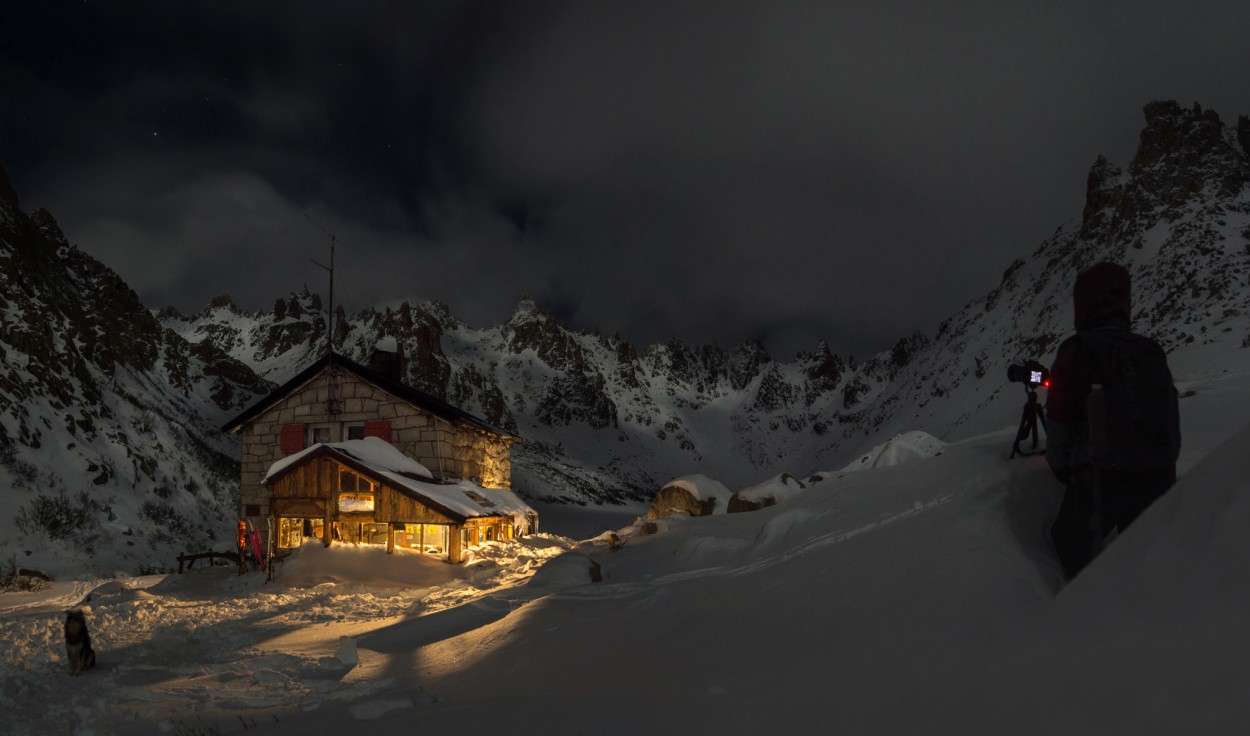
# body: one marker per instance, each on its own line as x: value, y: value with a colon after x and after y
x: 167, y: 524
x: 22, y: 473
x: 59, y: 516
x: 26, y: 581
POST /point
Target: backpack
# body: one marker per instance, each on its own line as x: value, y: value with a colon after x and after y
x: 1132, y: 421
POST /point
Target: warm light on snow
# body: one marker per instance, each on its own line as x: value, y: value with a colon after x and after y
x: 910, y: 594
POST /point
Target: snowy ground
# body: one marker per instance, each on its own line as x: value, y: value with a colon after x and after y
x: 908, y: 598
x: 178, y: 652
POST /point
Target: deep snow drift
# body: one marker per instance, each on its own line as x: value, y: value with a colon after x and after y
x: 909, y: 598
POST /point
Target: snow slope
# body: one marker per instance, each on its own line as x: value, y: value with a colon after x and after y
x: 910, y: 598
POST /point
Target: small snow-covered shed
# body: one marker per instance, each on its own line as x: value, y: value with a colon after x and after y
x: 367, y: 491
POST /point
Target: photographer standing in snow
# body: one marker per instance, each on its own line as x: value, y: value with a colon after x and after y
x: 1112, y: 423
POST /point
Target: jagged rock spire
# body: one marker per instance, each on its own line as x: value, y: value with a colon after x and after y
x: 1182, y: 153
x: 8, y: 197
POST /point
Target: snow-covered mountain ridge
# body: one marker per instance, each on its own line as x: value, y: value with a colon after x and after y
x: 608, y: 421
x: 110, y: 413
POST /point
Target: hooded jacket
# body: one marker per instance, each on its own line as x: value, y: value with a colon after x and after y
x: 1101, y: 300
x: 1102, y: 297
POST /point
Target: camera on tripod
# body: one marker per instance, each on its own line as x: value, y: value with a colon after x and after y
x: 1031, y: 373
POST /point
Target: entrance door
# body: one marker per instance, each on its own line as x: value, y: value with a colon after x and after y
x: 294, y: 531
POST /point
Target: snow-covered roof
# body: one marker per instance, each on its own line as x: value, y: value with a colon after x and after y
x: 383, y: 462
x: 372, y: 451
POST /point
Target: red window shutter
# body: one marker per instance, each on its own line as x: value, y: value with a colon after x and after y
x: 292, y: 438
x: 380, y: 428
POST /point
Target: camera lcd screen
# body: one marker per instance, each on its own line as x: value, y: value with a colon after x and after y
x: 1035, y: 376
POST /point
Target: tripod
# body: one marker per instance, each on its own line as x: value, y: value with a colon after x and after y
x: 1028, y: 422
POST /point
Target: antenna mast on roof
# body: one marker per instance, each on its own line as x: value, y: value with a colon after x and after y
x: 330, y: 268
x: 331, y: 397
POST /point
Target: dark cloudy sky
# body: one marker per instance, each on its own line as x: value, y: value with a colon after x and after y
x: 714, y: 170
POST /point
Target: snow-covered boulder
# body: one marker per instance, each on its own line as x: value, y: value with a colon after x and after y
x: 696, y: 495
x: 765, y: 494
x: 898, y: 450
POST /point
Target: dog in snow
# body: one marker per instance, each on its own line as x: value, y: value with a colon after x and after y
x: 78, y: 643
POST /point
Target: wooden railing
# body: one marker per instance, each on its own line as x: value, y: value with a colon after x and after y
x: 190, y: 560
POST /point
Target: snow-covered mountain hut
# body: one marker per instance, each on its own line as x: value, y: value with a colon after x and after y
x: 336, y: 400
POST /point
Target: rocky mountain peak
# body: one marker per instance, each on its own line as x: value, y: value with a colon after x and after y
x: 47, y: 227
x: 823, y: 368
x: 1181, y: 154
x: 1183, y: 150
x: 820, y: 354
x: 169, y: 314
x: 1172, y: 129
x: 222, y: 301
x: 533, y: 328
x: 624, y: 350
x: 746, y: 362
x: 528, y: 310
x: 8, y: 197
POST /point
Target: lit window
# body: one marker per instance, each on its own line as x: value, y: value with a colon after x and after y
x: 356, y: 503
x: 355, y: 493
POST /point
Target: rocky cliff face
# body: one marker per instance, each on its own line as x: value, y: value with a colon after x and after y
x: 108, y: 420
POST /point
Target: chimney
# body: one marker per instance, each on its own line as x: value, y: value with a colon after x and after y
x: 388, y: 359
